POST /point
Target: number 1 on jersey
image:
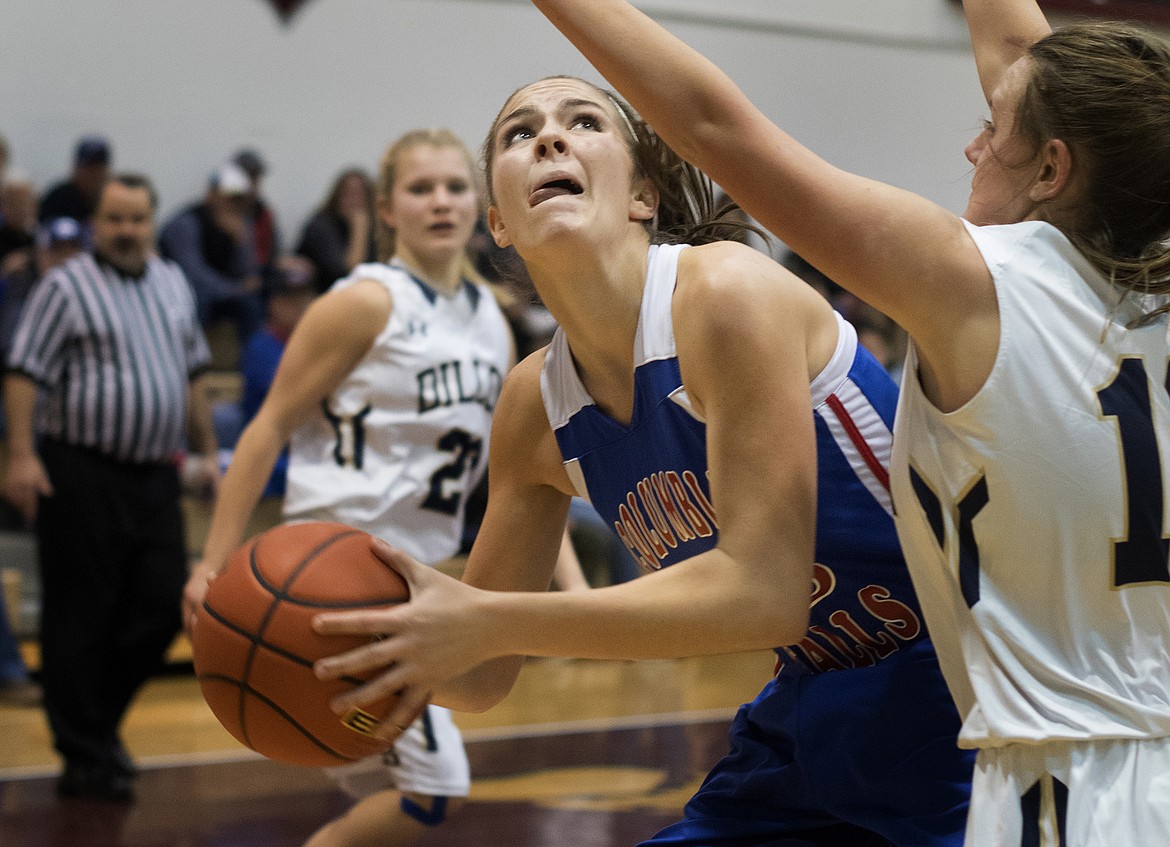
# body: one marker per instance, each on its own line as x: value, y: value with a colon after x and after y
x: 1143, y: 556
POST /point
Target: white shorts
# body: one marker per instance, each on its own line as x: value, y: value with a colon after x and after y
x: 427, y: 759
x: 1072, y: 794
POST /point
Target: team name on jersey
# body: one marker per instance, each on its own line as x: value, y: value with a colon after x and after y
x: 665, y: 510
x: 852, y: 643
x: 455, y: 382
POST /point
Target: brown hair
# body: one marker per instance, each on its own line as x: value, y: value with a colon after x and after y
x: 1104, y: 89
x: 687, y: 211
x: 333, y: 199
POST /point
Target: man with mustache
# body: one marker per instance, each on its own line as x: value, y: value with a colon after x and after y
x: 110, y: 345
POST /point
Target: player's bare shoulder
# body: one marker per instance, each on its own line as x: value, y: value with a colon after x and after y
x: 360, y: 310
x: 728, y: 273
x: 727, y: 290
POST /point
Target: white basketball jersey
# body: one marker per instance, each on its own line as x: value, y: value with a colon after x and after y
x: 1034, y: 518
x: 396, y: 449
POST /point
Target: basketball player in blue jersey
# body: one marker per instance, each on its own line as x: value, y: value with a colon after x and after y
x: 725, y: 422
x: 1030, y: 453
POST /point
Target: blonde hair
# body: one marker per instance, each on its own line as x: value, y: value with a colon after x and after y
x: 441, y: 138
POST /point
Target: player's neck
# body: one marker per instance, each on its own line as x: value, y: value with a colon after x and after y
x: 443, y: 275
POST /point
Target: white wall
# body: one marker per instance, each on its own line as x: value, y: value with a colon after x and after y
x: 883, y: 87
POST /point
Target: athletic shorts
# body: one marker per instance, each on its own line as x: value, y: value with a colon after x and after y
x: 865, y: 757
x: 427, y: 759
x: 1104, y: 793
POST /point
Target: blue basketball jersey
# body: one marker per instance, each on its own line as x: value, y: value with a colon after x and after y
x: 648, y: 480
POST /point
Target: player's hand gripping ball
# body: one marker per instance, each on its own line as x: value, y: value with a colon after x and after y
x: 254, y: 648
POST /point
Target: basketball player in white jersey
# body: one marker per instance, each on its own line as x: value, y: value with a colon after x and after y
x: 1030, y: 462
x: 385, y: 395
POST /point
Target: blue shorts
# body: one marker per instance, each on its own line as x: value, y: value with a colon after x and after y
x: 865, y: 757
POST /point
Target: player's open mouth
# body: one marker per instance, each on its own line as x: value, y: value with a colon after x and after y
x: 560, y: 187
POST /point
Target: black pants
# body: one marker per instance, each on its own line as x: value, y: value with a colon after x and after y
x: 113, y: 562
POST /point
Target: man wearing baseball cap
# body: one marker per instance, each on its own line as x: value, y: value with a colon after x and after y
x: 76, y: 197
x: 212, y: 242
x: 56, y: 242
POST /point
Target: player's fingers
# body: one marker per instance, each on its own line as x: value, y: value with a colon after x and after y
x: 398, y: 561
x: 381, y: 687
x: 358, y: 622
x: 189, y: 615
x: 410, y: 704
x: 373, y: 656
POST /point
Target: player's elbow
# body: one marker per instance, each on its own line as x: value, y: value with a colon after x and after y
x: 791, y: 627
x: 481, y: 688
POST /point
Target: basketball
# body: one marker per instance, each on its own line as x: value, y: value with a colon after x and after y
x: 253, y: 647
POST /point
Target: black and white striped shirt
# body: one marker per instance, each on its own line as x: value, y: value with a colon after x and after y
x: 115, y: 355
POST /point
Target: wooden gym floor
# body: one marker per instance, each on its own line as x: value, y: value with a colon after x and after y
x: 592, y: 754
x: 587, y: 753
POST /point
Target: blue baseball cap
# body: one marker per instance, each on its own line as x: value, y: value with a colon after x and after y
x: 92, y: 150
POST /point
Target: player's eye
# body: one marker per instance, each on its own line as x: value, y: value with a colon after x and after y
x: 589, y: 122
x: 509, y: 135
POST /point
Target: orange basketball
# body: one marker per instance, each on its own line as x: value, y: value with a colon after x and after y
x: 253, y: 646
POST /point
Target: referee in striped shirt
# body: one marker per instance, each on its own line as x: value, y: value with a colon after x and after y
x: 103, y: 392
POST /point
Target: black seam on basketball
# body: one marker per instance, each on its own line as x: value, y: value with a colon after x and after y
x: 282, y: 592
x: 257, y: 641
x: 246, y: 689
x: 258, y: 638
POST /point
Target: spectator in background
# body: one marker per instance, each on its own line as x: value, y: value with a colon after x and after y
x: 212, y: 242
x: 16, y: 685
x: 104, y: 496
x: 18, y: 222
x: 56, y: 242
x: 77, y: 196
x: 261, y: 218
x: 339, y: 236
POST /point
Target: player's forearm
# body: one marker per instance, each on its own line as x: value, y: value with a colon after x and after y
x: 1001, y: 30
x: 706, y: 605
x: 676, y: 90
x: 240, y: 490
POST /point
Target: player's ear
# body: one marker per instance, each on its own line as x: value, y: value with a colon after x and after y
x: 496, y: 227
x: 643, y: 200
x: 1055, y: 173
x: 386, y: 215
